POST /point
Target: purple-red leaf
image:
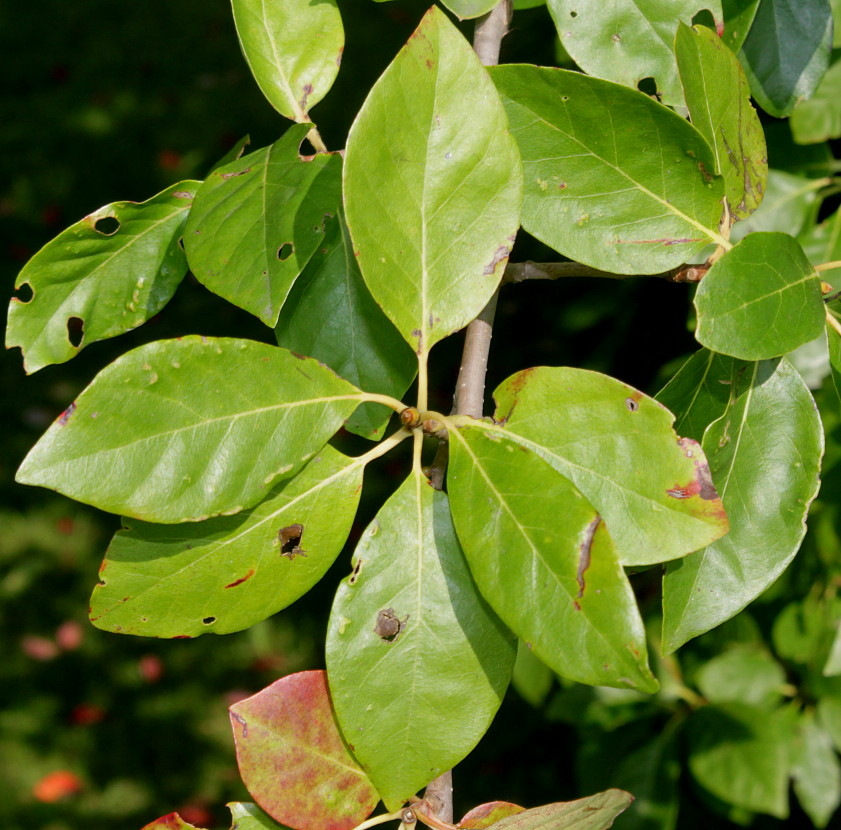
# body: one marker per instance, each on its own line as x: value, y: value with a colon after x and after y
x: 172, y: 821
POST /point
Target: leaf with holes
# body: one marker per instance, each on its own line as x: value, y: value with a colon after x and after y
x: 257, y: 221
x: 620, y: 450
x: 181, y: 430
x: 432, y: 207
x: 787, y: 52
x: 293, y: 48
x: 352, y: 336
x: 293, y: 759
x: 228, y: 573
x: 544, y: 560
x: 409, y: 625
x: 612, y: 178
x: 103, y: 276
x: 628, y: 40
x: 763, y: 438
x: 718, y: 98
x: 762, y: 299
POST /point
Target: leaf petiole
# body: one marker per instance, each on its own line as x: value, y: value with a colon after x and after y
x: 382, y: 819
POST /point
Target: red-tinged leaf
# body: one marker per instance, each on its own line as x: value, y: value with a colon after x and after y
x: 170, y: 822
x: 293, y: 760
x: 596, y: 812
x: 487, y: 814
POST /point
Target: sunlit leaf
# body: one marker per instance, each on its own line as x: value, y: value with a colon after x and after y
x: 409, y: 626
x: 250, y: 817
x: 103, y: 276
x: 596, y: 812
x: 293, y: 759
x: 485, y: 815
x: 181, y: 430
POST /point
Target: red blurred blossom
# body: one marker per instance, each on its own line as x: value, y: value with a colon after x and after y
x: 151, y: 668
x: 57, y: 785
x: 169, y: 159
x: 38, y: 648
x: 69, y: 635
x: 86, y: 714
x: 196, y: 814
x: 65, y: 525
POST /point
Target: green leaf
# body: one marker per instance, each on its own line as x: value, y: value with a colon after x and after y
x: 759, y: 425
x: 293, y: 48
x: 464, y: 9
x: 257, y: 221
x: 822, y: 243
x: 110, y: 272
x: 612, y: 178
x: 485, y: 815
x: 628, y: 40
x: 718, y: 98
x: 181, y: 430
x: 250, y: 817
x: 787, y: 51
x: 760, y: 300
x: 432, y: 206
x: 819, y: 118
x: 829, y: 717
x: 742, y: 675
x: 740, y: 754
x: 836, y: 14
x: 293, y: 759
x: 409, y: 626
x: 738, y: 18
x: 832, y: 667
x: 816, y: 771
x: 227, y: 573
x: 331, y: 316
x: 596, y: 812
x: 619, y: 449
x: 532, y: 678
x: 834, y: 342
x: 544, y: 560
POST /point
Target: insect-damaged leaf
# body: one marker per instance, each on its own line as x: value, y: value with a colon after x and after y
x: 181, y: 430
x: 331, y: 316
x: 544, y: 560
x: 410, y: 626
x: 718, y: 98
x: 612, y: 178
x: 432, y: 205
x: 107, y: 274
x: 628, y: 40
x: 227, y: 573
x: 618, y: 447
x: 762, y: 299
x: 293, y: 48
x: 764, y: 441
x: 257, y: 221
x: 293, y: 759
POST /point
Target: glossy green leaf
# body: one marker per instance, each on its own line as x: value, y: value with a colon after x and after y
x: 628, y: 40
x: 544, y: 560
x: 331, y: 316
x: 740, y: 754
x: 293, y: 759
x: 763, y: 438
x: 738, y: 18
x: 596, y: 812
x: 227, y: 573
x: 257, y: 221
x: 532, y: 678
x: 619, y: 449
x: 787, y: 51
x: 718, y: 98
x: 293, y: 47
x: 612, y: 178
x: 432, y: 206
x: 485, y: 815
x: 181, y: 430
x: 742, y: 675
x: 819, y: 118
x: 760, y: 300
x: 409, y: 626
x: 816, y: 771
x: 822, y: 243
x: 464, y: 9
x: 109, y: 273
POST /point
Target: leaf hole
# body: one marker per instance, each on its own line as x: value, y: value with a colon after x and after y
x: 573, y: 14
x: 649, y: 87
x: 389, y: 626
x: 75, y: 331
x: 285, y: 251
x: 107, y: 225
x: 355, y: 573
x: 290, y: 541
x: 181, y: 243
x: 209, y: 620
x: 24, y: 293
x: 306, y: 150
x: 633, y: 406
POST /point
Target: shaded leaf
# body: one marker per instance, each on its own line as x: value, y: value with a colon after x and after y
x: 596, y: 812
x: 738, y: 18
x: 832, y: 667
x: 544, y: 560
x: 227, y: 573
x: 834, y: 342
x: 759, y: 426
x: 819, y: 118
x: 822, y: 243
x: 293, y: 48
x: 108, y: 273
x: 257, y: 221
x: 432, y: 207
x: 760, y: 300
x: 612, y: 178
x: 293, y: 759
x: 816, y: 771
x: 409, y: 626
x: 532, y: 678
x: 742, y: 675
x: 464, y: 9
x: 181, y: 430
x: 619, y: 449
x: 829, y: 717
x: 787, y: 51
x: 485, y: 815
x: 331, y: 316
x: 718, y: 98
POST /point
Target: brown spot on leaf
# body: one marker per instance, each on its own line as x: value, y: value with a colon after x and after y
x: 354, y: 575
x: 632, y: 402
x: 702, y: 484
x: 388, y: 626
x: 241, y: 579
x: 290, y: 541
x: 241, y: 721
x: 520, y: 380
x: 584, y: 551
x: 307, y: 92
x: 500, y: 255
x: 233, y: 174
x: 65, y: 416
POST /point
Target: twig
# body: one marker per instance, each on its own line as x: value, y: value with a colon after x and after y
x: 522, y: 271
